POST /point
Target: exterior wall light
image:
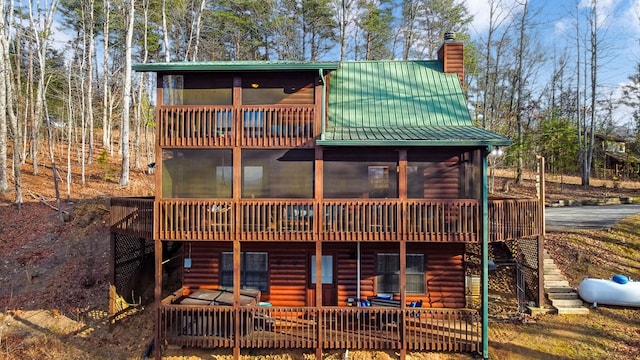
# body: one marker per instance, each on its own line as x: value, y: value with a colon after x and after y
x: 497, y: 151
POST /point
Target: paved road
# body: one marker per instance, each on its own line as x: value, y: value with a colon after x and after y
x: 587, y: 217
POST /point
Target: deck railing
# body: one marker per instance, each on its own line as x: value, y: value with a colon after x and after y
x: 420, y: 329
x: 132, y: 216
x: 511, y: 219
x: 212, y: 126
x: 277, y: 219
x: 361, y: 219
x: 195, y: 219
x: 434, y: 220
x: 338, y: 220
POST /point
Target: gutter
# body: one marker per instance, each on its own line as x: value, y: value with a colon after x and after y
x: 485, y: 257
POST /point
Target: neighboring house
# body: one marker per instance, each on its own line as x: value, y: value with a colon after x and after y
x: 616, y: 162
x: 318, y: 205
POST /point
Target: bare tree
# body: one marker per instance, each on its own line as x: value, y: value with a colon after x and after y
x: 41, y: 31
x: 498, y: 14
x: 69, y: 130
x: 126, y: 93
x: 191, y: 52
x: 88, y: 36
x: 345, y: 14
x: 4, y: 68
x: 106, y: 88
x: 165, y: 32
x: 594, y: 39
x: 519, y: 89
x: 9, y: 109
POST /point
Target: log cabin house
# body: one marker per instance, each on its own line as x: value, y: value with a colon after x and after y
x: 323, y: 205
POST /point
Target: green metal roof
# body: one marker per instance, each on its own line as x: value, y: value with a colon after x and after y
x: 411, y: 103
x: 234, y: 66
x: 412, y: 136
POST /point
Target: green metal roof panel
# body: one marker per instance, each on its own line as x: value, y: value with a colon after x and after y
x: 410, y: 103
x: 395, y: 93
x: 234, y: 66
x: 412, y: 136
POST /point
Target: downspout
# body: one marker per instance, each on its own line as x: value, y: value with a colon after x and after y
x: 323, y: 103
x: 485, y: 257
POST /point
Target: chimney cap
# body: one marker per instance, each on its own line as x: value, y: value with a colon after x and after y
x: 449, y: 36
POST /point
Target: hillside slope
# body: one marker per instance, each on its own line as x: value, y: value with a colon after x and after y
x: 55, y: 278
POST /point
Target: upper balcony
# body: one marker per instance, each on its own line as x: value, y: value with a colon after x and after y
x: 340, y: 220
x: 201, y: 126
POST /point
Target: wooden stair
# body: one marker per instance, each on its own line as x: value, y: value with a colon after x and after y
x: 562, y: 296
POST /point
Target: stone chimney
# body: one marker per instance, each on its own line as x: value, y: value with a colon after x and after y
x: 451, y: 53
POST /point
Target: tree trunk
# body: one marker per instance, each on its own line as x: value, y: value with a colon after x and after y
x: 519, y: 89
x: 165, y: 32
x: 4, y: 69
x: 126, y: 100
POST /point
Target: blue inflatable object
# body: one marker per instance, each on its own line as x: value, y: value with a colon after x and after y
x: 620, y: 279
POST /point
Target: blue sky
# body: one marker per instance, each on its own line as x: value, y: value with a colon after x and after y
x: 619, y: 21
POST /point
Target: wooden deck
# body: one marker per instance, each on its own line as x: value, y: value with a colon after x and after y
x: 340, y: 220
x: 420, y: 329
x: 262, y: 126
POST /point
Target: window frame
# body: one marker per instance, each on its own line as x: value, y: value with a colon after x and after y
x: 226, y: 270
x: 395, y: 273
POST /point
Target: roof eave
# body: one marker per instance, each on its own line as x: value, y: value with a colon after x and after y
x: 232, y: 66
x: 415, y: 143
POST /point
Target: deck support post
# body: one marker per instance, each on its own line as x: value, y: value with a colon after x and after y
x: 318, y: 299
x: 403, y: 298
x: 236, y: 299
x: 485, y: 256
x: 542, y: 234
x: 157, y: 296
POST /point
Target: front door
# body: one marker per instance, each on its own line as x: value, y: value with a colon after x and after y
x: 329, y: 287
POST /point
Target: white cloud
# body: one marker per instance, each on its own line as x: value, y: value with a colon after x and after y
x: 561, y: 26
x: 631, y: 18
x: 480, y: 9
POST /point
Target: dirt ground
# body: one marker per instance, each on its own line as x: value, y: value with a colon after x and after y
x: 55, y: 277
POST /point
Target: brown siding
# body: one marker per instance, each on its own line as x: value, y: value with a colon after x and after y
x: 205, y: 261
x: 444, y: 266
x: 288, y: 277
x: 442, y: 180
x: 445, y: 277
x: 289, y: 270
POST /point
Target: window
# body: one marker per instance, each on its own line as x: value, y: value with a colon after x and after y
x: 356, y: 173
x: 196, y: 89
x: 277, y: 173
x: 252, y: 181
x: 378, y: 181
x: 327, y: 269
x: 196, y: 173
x: 254, y: 270
x: 388, y: 273
x: 173, y: 86
x: 269, y: 88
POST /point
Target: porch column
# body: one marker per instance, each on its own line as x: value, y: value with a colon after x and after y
x: 403, y: 298
x: 157, y: 296
x: 236, y: 298
x: 318, y: 266
x: 542, y: 231
x: 238, y: 122
x: 401, y: 216
x: 485, y: 256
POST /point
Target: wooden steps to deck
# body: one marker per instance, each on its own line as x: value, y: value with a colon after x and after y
x: 562, y: 296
